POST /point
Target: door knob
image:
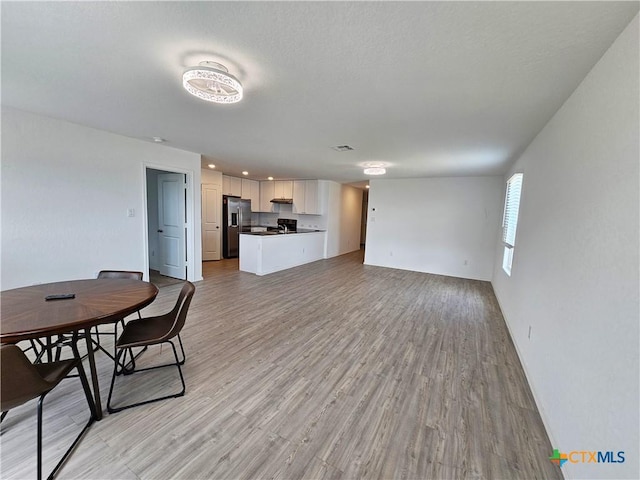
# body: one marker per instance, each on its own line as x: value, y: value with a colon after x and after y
x: 160, y: 231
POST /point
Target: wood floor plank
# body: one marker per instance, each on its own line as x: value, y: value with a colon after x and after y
x: 333, y: 370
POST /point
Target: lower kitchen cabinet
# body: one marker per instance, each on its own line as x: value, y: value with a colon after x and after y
x: 268, y: 254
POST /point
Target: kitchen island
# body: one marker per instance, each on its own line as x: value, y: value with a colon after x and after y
x: 268, y: 252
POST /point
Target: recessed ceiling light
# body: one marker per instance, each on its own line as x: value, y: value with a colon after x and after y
x: 367, y: 186
x: 269, y: 178
x: 245, y: 173
x: 211, y: 165
x: 212, y: 82
x: 158, y: 139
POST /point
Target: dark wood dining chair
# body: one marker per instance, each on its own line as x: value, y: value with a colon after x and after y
x: 114, y: 274
x: 22, y: 381
x: 154, y: 331
x: 64, y: 341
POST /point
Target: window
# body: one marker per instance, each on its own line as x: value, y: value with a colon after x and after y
x: 510, y: 220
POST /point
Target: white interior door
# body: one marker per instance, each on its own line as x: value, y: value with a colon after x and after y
x: 172, y: 225
x: 211, y: 212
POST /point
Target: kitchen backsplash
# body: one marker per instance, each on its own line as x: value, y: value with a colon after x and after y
x: 304, y: 221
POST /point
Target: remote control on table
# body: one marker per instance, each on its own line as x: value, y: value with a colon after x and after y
x: 60, y: 296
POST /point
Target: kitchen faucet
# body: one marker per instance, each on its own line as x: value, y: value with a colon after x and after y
x: 284, y: 227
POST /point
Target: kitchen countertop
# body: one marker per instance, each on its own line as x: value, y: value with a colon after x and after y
x: 280, y: 232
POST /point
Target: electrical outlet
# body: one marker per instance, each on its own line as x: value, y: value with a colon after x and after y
x: 529, y: 336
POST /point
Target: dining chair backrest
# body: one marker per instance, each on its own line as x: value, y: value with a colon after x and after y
x: 20, y: 380
x: 120, y: 274
x: 179, y: 312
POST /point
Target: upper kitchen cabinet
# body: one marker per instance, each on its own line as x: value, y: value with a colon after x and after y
x: 231, y: 186
x: 283, y: 189
x: 251, y: 191
x: 306, y: 199
x: 267, y: 193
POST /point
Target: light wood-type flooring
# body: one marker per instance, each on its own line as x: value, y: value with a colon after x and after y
x: 330, y: 370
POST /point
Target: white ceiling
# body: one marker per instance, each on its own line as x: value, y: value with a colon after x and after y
x: 431, y: 88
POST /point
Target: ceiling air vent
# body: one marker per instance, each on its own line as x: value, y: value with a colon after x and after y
x: 342, y: 148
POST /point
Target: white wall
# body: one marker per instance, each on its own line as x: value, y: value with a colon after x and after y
x: 435, y: 225
x: 575, y: 269
x: 66, y: 190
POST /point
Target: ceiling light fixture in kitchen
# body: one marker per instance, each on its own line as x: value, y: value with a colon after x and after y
x: 211, y: 165
x: 212, y: 82
x: 374, y: 168
x: 269, y: 178
x: 245, y: 173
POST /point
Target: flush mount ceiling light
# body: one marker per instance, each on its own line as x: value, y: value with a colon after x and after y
x: 212, y: 82
x: 374, y: 168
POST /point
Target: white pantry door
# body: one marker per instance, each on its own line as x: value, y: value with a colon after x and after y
x: 211, y: 221
x: 172, y: 224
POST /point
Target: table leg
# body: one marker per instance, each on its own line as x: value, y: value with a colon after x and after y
x: 49, y: 350
x: 94, y: 374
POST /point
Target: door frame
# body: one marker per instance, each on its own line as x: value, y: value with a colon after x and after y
x: 191, y: 244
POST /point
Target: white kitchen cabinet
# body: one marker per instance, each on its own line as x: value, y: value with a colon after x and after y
x: 251, y: 191
x: 283, y: 189
x: 312, y: 204
x: 231, y: 186
x: 305, y: 197
x: 267, y: 193
x: 299, y: 191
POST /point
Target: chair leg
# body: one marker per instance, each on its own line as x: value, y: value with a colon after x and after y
x: 111, y: 409
x: 40, y: 435
x: 113, y: 377
x: 184, y: 358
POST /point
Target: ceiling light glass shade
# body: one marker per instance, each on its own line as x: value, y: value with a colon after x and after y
x: 212, y: 82
x: 375, y: 171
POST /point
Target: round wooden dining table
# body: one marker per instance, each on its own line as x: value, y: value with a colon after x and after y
x: 25, y: 314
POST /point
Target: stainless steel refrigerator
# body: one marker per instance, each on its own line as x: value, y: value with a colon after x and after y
x: 236, y: 218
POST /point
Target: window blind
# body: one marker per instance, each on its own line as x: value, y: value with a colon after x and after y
x: 511, y: 207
